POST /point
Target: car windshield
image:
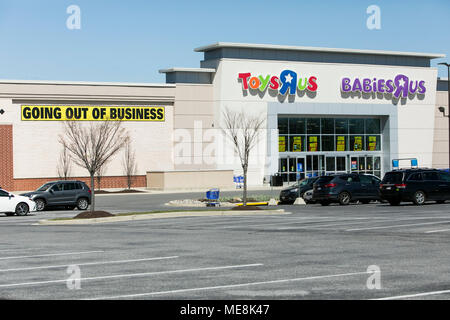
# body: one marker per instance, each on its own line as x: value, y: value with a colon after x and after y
x: 304, y: 182
x: 393, y: 177
x: 44, y: 187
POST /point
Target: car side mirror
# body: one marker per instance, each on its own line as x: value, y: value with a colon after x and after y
x: 11, y: 195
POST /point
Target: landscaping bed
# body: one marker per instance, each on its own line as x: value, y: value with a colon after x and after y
x: 120, y: 191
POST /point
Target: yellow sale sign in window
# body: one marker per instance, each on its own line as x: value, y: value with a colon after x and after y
x: 357, y: 146
x: 340, y: 145
x: 297, y: 144
x: 281, y: 144
x: 312, y: 145
x: 372, y: 143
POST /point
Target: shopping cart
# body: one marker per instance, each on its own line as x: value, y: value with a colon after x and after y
x: 213, y: 198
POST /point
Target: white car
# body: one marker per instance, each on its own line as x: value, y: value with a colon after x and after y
x: 307, y: 196
x: 11, y: 204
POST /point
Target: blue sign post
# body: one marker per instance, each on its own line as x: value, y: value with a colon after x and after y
x: 394, y: 164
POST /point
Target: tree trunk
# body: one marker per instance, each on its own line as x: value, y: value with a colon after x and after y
x: 244, y: 197
x: 92, y: 193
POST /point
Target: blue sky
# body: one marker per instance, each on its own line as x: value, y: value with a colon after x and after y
x: 129, y: 41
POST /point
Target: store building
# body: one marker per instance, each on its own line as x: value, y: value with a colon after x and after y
x: 325, y: 110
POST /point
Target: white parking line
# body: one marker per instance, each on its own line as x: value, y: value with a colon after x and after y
x: 378, y: 220
x: 51, y: 255
x: 399, y: 225
x: 441, y: 230
x: 299, y: 222
x: 130, y: 275
x: 90, y: 264
x: 230, y: 286
x: 423, y: 294
x: 327, y: 225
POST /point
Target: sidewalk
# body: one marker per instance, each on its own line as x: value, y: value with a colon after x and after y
x: 149, y: 191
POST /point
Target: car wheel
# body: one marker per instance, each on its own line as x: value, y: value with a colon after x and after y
x: 82, y: 204
x: 419, y: 198
x: 325, y: 203
x: 394, y: 202
x: 40, y: 204
x: 22, y: 209
x: 344, y: 198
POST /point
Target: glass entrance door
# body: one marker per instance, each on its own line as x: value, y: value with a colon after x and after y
x: 366, y: 164
x: 292, y: 169
x: 335, y: 164
x: 315, y: 165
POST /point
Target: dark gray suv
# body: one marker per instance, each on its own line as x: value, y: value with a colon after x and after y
x: 65, y: 193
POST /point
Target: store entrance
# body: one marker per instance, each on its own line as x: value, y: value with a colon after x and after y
x: 292, y: 169
x: 297, y: 168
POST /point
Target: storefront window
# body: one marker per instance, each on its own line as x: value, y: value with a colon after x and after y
x: 313, y: 126
x: 283, y: 125
x: 327, y: 126
x: 328, y: 134
x: 313, y: 143
x: 327, y: 143
x: 297, y: 143
x: 297, y: 126
x: 282, y: 147
x: 330, y: 166
x: 356, y: 143
x: 373, y: 143
x: 356, y: 126
x: 341, y: 126
x: 341, y: 143
x: 373, y: 126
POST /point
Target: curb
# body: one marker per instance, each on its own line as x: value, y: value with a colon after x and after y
x: 161, y: 216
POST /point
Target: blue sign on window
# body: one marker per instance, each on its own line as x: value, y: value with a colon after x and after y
x: 300, y: 167
x: 414, y: 163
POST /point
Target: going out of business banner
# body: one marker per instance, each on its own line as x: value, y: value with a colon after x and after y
x: 92, y: 113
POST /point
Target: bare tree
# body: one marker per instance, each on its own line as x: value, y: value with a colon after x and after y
x: 99, y: 175
x: 91, y: 146
x: 64, y: 164
x: 129, y: 164
x: 243, y: 130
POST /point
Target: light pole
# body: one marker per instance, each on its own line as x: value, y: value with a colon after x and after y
x: 448, y: 104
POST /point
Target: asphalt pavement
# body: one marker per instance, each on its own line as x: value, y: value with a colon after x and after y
x: 372, y: 251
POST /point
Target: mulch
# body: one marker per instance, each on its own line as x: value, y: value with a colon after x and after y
x: 246, y: 208
x: 121, y: 191
x: 94, y: 214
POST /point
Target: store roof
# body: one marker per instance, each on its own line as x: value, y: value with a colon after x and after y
x: 219, y: 45
x: 206, y: 70
x: 85, y: 83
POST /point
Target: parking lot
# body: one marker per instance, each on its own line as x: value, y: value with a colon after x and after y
x: 313, y: 253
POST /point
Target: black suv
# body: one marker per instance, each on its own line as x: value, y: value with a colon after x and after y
x: 288, y: 195
x: 66, y: 193
x: 415, y: 185
x: 346, y: 188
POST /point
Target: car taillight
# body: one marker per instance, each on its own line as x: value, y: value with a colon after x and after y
x: 330, y: 185
x: 89, y: 190
x: 381, y: 185
x: 400, y: 185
